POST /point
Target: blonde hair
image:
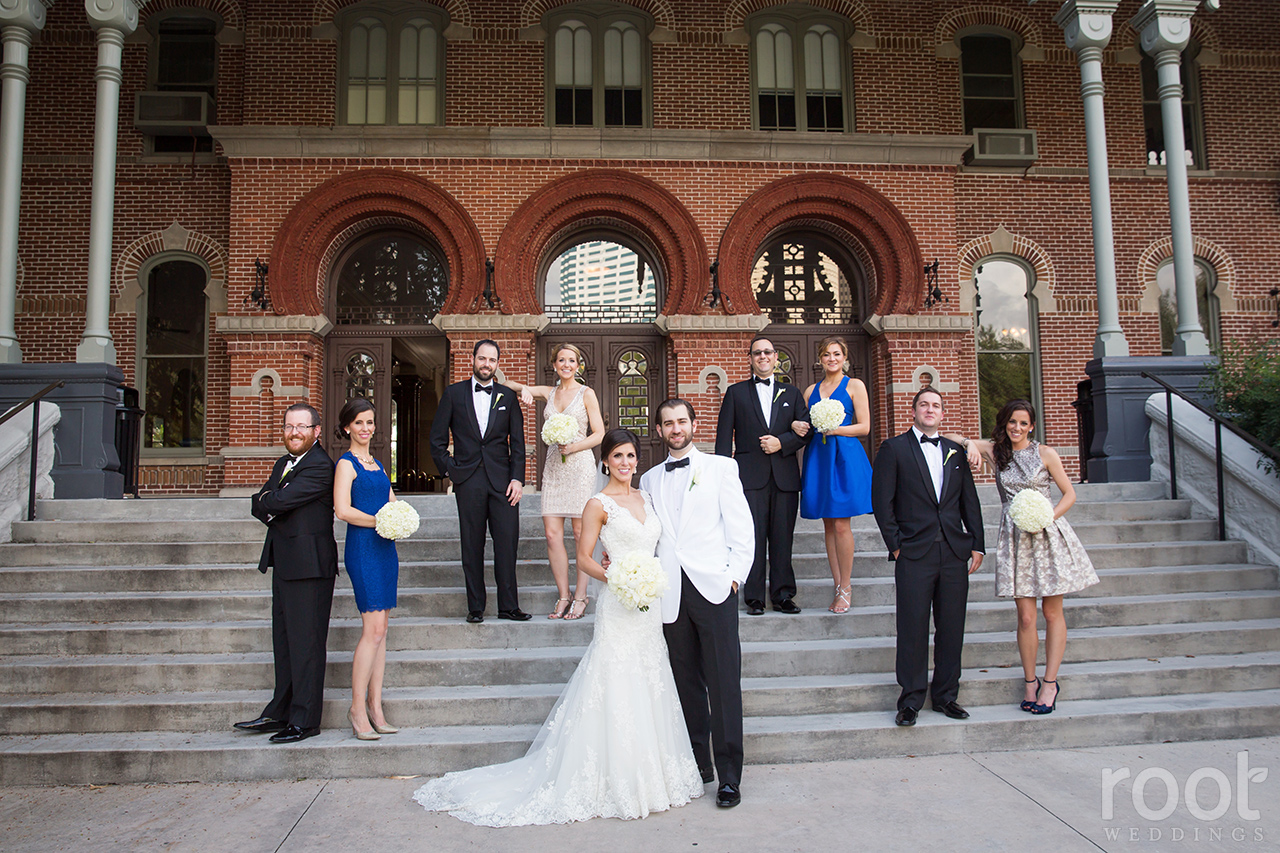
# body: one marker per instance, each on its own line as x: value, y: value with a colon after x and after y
x: 555, y: 353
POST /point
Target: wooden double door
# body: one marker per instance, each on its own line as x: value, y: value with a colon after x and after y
x: 798, y: 362
x: 624, y: 367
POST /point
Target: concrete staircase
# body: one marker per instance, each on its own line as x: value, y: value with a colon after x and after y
x: 132, y: 633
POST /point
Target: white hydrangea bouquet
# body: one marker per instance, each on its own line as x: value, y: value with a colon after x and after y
x: 396, y: 520
x: 637, y: 580
x: 826, y: 415
x: 1030, y: 511
x: 560, y: 429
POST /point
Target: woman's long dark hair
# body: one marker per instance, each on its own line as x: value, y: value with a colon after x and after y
x: 1001, y: 446
x: 616, y: 438
x: 353, y: 408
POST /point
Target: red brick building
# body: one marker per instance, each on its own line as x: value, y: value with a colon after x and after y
x: 410, y: 172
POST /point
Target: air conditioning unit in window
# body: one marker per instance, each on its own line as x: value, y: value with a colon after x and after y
x: 1002, y: 147
x: 169, y: 113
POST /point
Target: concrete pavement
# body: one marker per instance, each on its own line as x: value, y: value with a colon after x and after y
x: 1051, y: 800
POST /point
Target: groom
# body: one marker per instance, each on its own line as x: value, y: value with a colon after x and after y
x: 707, y: 547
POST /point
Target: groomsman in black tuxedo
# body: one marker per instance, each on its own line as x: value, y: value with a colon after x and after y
x: 487, y: 470
x: 927, y: 508
x: 754, y: 428
x: 296, y: 504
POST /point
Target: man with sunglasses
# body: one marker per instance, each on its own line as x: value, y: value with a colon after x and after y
x: 296, y: 504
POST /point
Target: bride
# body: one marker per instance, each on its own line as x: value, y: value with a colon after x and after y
x: 615, y: 744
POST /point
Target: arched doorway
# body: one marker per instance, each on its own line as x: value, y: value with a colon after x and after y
x: 385, y: 287
x: 811, y: 285
x: 601, y: 287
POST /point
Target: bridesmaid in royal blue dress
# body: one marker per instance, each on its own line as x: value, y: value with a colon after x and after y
x: 361, y: 488
x: 836, y: 480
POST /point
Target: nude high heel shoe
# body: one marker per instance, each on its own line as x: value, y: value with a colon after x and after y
x: 369, y: 735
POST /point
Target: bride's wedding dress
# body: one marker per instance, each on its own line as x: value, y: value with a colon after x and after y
x: 615, y: 744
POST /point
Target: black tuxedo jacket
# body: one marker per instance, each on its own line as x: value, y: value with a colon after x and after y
x: 741, y: 425
x: 908, y: 512
x: 499, y: 452
x: 298, y: 513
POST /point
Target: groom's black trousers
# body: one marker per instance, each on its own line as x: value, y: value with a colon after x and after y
x: 706, y: 660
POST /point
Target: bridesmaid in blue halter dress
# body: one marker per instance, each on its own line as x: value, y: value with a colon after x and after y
x: 361, y: 488
x: 836, y: 477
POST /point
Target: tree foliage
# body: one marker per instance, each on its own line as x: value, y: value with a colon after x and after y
x: 1246, y: 388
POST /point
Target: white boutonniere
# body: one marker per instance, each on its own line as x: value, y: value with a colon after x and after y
x: 497, y: 398
x: 777, y: 394
x: 693, y: 478
x: 950, y: 453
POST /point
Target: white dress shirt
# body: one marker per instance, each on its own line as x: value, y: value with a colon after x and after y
x: 764, y: 390
x: 933, y: 458
x: 674, y: 485
x: 483, y: 402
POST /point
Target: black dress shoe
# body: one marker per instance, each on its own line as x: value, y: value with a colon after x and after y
x: 516, y: 615
x: 475, y: 616
x: 755, y: 608
x: 906, y: 717
x: 708, y: 775
x: 261, y: 725
x: 952, y: 710
x: 786, y: 605
x: 293, y: 734
x: 728, y: 796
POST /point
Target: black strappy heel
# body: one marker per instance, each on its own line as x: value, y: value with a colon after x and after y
x: 1048, y: 709
x: 1028, y: 704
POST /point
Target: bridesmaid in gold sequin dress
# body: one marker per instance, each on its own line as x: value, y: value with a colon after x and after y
x: 1045, y: 565
x: 569, y: 473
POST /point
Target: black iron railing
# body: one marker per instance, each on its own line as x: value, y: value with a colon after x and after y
x: 1218, y: 423
x: 34, y: 402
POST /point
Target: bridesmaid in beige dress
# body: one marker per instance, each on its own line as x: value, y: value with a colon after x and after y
x: 567, y: 485
x: 1045, y: 565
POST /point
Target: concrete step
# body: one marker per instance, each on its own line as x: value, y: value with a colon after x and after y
x: 140, y: 757
x: 529, y: 704
x: 530, y: 664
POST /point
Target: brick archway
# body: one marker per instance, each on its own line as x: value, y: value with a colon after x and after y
x: 601, y: 195
x: 852, y: 206
x: 327, y: 211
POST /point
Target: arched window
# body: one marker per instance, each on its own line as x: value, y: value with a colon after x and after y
x: 600, y: 281
x: 173, y: 314
x: 1192, y: 113
x: 990, y: 81
x: 391, y: 64
x: 391, y: 278
x: 597, y: 66
x: 805, y: 278
x: 1007, y: 339
x: 800, y: 71
x: 1206, y: 303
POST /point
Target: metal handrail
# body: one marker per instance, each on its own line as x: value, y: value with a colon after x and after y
x: 1218, y: 423
x: 34, y: 402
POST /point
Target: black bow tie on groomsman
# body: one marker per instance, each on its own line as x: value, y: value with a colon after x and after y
x: 488, y: 389
x: 936, y: 440
x: 763, y: 380
x: 679, y: 463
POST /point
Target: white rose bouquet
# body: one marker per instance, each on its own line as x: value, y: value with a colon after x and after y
x: 396, y: 520
x: 1030, y: 511
x: 826, y: 415
x: 637, y: 580
x: 560, y: 429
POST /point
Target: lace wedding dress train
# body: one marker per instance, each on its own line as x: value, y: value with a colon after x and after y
x: 615, y: 744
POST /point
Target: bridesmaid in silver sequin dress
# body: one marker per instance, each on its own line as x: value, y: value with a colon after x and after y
x: 1045, y: 565
x: 569, y: 473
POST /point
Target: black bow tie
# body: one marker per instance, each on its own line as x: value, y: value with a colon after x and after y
x: 679, y: 463
x: 762, y: 380
x: 488, y: 389
x: 936, y: 441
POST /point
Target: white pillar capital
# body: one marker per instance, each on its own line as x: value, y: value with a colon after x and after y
x: 1086, y: 23
x: 119, y: 15
x: 28, y: 14
x: 1164, y: 25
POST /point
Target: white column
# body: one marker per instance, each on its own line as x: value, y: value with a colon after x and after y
x: 1164, y: 27
x: 19, y: 19
x: 113, y: 19
x: 1087, y: 27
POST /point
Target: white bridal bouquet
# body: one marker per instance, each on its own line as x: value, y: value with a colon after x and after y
x: 1030, y: 511
x: 637, y: 580
x: 560, y: 429
x: 396, y: 520
x: 826, y: 415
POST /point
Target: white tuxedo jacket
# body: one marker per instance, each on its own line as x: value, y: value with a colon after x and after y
x: 713, y: 540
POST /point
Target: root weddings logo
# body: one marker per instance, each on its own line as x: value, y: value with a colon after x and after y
x: 1197, y: 808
